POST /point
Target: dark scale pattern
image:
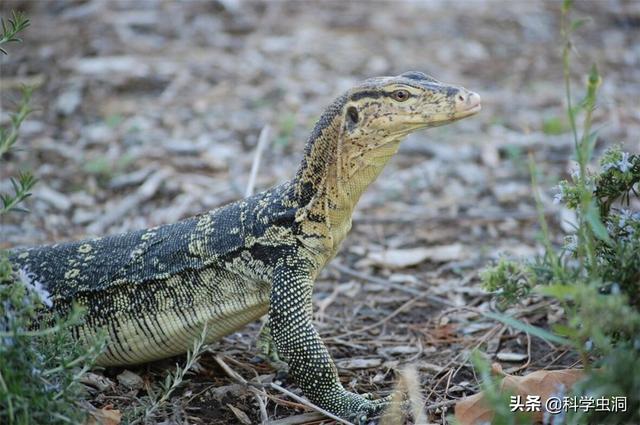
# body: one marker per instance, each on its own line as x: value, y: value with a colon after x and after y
x: 152, y: 290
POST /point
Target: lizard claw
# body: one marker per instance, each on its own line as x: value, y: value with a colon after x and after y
x: 364, y: 408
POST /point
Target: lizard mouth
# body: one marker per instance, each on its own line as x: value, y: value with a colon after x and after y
x: 474, y: 108
x: 458, y: 115
x: 471, y: 110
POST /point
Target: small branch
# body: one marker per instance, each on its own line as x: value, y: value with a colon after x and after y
x: 445, y: 403
x: 309, y: 404
x: 21, y: 191
x: 299, y: 419
x: 258, y: 393
x: 230, y: 372
x: 17, y: 23
x: 176, y: 379
x: 9, y: 136
x: 263, y: 139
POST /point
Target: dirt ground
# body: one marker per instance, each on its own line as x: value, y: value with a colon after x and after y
x: 149, y: 112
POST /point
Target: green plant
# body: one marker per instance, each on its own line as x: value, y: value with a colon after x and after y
x: 9, y: 134
x: 554, y: 126
x: 156, y: 400
x: 595, y: 274
x: 18, y: 22
x: 41, y: 367
x: 8, y: 137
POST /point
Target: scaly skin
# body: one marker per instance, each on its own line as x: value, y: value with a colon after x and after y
x: 152, y: 290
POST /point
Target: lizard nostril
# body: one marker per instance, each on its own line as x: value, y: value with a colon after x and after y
x: 461, y: 98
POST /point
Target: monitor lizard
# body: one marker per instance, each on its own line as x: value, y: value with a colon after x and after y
x: 153, y: 290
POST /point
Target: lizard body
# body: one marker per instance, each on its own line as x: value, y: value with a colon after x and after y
x: 152, y: 290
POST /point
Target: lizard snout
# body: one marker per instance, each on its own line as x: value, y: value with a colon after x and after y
x: 467, y: 101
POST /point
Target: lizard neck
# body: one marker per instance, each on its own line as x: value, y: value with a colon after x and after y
x: 331, y: 179
x: 347, y: 180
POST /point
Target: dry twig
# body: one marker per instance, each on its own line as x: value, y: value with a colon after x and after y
x: 309, y: 404
x: 263, y: 139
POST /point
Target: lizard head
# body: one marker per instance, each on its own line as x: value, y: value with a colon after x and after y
x: 378, y: 113
x: 385, y: 109
x: 362, y: 129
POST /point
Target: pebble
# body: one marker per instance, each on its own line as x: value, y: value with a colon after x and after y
x: 510, y: 191
x: 52, y: 197
x: 68, y: 102
x: 130, y: 380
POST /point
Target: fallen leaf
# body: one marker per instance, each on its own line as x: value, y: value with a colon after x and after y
x: 130, y: 380
x: 233, y: 390
x: 474, y: 410
x: 432, y: 367
x: 511, y: 357
x: 104, y: 416
x: 445, y: 332
x: 242, y: 417
x: 401, y: 258
x: 96, y: 381
x: 359, y: 363
x: 400, y: 349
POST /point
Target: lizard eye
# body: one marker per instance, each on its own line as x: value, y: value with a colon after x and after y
x: 352, y: 112
x: 400, y: 95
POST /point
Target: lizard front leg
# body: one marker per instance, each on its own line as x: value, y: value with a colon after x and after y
x: 310, y: 365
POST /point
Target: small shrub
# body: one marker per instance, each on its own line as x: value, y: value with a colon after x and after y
x: 595, y: 274
x: 40, y: 368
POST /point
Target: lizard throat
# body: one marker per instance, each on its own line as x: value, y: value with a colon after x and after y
x: 344, y: 180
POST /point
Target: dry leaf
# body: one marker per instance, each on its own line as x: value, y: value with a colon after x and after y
x: 99, y: 382
x: 400, y: 258
x: 359, y: 363
x: 444, y: 332
x: 506, y: 356
x: 473, y: 410
x: 544, y: 383
x: 104, y: 416
x: 242, y: 417
x: 130, y: 380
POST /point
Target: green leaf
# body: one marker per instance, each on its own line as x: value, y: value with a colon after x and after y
x: 564, y: 330
x: 594, y: 76
x: 577, y: 23
x: 554, y: 126
x: 533, y: 330
x: 557, y: 291
x: 566, y: 5
x: 590, y: 143
x: 599, y: 230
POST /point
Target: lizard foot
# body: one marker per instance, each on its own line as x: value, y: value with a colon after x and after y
x: 269, y: 354
x: 360, y: 409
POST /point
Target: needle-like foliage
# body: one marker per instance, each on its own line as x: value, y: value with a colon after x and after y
x: 40, y: 368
